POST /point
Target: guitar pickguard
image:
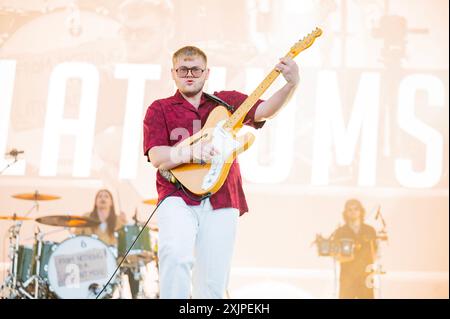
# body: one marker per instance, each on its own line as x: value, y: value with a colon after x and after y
x: 225, y: 142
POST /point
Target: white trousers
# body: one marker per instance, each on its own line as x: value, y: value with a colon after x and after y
x: 197, y: 241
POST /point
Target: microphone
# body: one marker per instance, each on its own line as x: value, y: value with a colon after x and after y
x: 14, y: 153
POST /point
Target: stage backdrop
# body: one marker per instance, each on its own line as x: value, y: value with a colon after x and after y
x: 369, y: 120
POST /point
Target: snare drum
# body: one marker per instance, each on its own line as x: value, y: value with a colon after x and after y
x: 79, y: 267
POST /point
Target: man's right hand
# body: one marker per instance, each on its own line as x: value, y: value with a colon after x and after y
x: 168, y: 157
x: 203, y: 152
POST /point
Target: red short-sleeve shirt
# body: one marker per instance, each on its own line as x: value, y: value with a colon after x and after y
x: 168, y: 115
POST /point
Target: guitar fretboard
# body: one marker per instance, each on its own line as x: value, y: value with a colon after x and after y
x: 238, y: 116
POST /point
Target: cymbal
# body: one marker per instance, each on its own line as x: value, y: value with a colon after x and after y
x: 14, y: 217
x: 68, y: 221
x: 151, y: 201
x: 35, y: 196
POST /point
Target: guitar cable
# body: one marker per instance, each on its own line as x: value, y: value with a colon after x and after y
x: 178, y: 186
x: 207, y: 195
x: 137, y: 237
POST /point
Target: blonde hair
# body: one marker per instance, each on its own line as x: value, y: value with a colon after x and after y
x: 190, y: 52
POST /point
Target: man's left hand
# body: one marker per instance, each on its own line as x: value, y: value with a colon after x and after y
x: 289, y: 69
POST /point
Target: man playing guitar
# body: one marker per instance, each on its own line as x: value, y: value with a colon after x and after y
x: 192, y: 228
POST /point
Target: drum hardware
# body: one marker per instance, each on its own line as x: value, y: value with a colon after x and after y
x: 95, y: 288
x: 25, y: 293
x: 11, y: 285
x: 55, y: 231
x: 11, y: 282
x: 138, y: 275
x: 14, y: 232
x: 32, y: 273
x: 37, y: 260
x: 36, y: 280
x: 37, y: 263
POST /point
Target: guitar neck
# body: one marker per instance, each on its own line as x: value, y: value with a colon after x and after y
x: 235, y: 120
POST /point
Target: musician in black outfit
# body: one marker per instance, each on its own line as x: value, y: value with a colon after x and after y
x: 355, y: 269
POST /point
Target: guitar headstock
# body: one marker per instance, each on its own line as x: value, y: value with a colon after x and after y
x: 305, y: 43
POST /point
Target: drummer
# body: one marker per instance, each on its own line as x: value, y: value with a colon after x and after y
x: 105, y: 212
x: 354, y: 273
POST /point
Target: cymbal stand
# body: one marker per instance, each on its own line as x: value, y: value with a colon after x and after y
x: 9, y: 165
x: 35, y: 205
x: 37, y: 262
x: 11, y: 279
x: 336, y: 279
x: 382, y: 236
x: 140, y: 277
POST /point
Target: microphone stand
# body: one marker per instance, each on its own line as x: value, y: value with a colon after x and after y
x: 335, y: 264
x: 13, y: 153
x: 378, y: 266
x: 9, y: 165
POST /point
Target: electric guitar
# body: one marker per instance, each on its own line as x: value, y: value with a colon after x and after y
x: 220, y: 129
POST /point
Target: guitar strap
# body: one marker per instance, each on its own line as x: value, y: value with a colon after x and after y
x: 167, y: 174
x: 220, y: 101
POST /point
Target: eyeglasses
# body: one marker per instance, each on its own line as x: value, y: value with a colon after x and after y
x: 183, y: 71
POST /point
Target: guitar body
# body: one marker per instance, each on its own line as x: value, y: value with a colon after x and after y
x: 206, y: 178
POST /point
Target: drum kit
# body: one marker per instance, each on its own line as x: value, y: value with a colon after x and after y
x: 80, y: 266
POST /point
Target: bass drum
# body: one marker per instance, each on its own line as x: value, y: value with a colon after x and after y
x: 79, y: 268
